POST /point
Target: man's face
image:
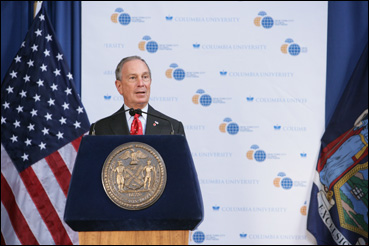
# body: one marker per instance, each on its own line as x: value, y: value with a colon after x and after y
x: 135, y: 84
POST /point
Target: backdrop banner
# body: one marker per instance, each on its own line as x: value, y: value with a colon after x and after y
x: 247, y: 79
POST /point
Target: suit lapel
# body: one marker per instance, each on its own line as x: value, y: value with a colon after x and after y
x: 119, y: 124
x: 153, y: 124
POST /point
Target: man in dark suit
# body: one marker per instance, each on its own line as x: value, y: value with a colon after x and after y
x: 133, y: 82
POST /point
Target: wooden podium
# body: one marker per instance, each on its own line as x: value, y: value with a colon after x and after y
x: 168, y: 221
x: 134, y: 238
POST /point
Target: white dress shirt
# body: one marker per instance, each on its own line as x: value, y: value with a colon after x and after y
x: 142, y: 118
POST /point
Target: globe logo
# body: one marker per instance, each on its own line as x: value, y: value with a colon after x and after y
x: 118, y: 16
x: 229, y: 126
x: 124, y: 19
x: 179, y: 74
x: 290, y: 47
x: 146, y: 44
x: 260, y: 155
x: 303, y: 209
x: 204, y: 99
x: 283, y: 181
x: 175, y: 72
x: 286, y: 183
x: 262, y: 20
x: 256, y: 154
x: 198, y: 237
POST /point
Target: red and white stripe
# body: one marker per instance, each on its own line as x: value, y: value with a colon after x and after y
x: 33, y: 201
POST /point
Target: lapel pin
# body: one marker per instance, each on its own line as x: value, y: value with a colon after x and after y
x: 155, y: 123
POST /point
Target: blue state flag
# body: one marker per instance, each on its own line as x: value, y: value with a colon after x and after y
x: 338, y: 211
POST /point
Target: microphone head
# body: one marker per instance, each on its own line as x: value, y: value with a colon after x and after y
x: 132, y: 112
x: 138, y: 111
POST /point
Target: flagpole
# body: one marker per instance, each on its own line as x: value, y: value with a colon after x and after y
x: 36, y: 7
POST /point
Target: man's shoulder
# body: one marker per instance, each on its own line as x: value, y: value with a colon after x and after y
x: 110, y: 117
x: 160, y: 114
x: 108, y: 125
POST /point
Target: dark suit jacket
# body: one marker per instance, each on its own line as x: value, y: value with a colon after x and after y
x: 116, y: 124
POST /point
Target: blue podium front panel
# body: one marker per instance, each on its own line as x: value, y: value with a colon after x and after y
x: 88, y: 207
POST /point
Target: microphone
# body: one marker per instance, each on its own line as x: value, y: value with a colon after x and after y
x: 132, y: 112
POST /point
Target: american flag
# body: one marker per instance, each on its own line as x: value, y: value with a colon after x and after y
x: 42, y: 123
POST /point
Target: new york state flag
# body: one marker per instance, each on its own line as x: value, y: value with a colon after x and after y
x: 338, y: 211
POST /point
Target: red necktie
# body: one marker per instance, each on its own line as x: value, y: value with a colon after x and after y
x: 136, y: 127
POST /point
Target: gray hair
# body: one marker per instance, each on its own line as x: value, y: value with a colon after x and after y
x: 118, y: 70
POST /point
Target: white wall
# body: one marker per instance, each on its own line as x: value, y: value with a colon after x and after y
x: 274, y: 97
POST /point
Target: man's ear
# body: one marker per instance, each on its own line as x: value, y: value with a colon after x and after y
x: 118, y: 84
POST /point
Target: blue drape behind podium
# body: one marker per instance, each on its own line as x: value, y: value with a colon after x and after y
x: 347, y: 37
x: 65, y: 16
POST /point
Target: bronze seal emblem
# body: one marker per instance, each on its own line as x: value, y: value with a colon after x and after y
x: 134, y: 176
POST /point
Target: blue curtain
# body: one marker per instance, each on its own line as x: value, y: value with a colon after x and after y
x: 65, y: 16
x: 347, y: 37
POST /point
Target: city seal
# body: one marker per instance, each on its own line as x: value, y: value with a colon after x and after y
x: 134, y: 176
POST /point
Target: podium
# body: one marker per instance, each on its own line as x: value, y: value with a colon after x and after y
x: 168, y: 220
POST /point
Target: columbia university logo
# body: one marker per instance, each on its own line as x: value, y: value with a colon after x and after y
x: 123, y: 18
x: 256, y: 153
x: 175, y: 72
x: 148, y: 45
x: 289, y: 47
x: 263, y: 20
x: 231, y: 127
x: 283, y: 181
x: 202, y: 98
